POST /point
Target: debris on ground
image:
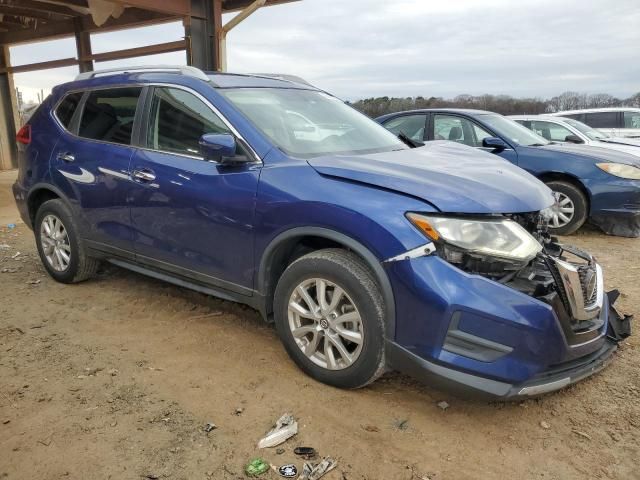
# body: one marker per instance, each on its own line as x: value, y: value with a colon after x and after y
x: 4, y: 246
x: 314, y: 472
x: 370, y: 428
x: 307, y: 453
x: 402, y: 424
x: 11, y: 226
x: 287, y: 471
x: 285, y: 428
x: 209, y: 427
x: 280, y: 451
x: 256, y: 467
x: 15, y: 255
x: 582, y: 434
x: 545, y: 425
x: 34, y: 282
x: 443, y: 405
x: 238, y: 411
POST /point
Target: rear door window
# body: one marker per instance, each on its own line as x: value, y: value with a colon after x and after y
x: 551, y: 131
x: 602, y: 119
x: 108, y: 114
x: 411, y: 125
x: 67, y: 107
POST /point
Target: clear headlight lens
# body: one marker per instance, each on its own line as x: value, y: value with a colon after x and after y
x: 620, y: 170
x: 496, y: 237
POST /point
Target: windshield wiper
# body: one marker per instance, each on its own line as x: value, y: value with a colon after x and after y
x: 409, y: 141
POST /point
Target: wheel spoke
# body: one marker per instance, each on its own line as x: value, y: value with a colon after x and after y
x: 313, y: 307
x: 340, y: 348
x: 301, y: 311
x: 338, y: 293
x: 329, y: 355
x: 321, y: 294
x: 347, y: 317
x: 312, y: 347
x: 65, y: 256
x: 352, y: 336
x: 302, y: 331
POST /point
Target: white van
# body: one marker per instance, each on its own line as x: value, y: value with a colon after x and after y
x: 617, y: 122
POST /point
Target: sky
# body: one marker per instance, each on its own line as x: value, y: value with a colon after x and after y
x: 365, y: 48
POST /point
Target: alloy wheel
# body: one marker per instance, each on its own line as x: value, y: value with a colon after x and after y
x: 562, y: 211
x: 55, y: 243
x: 325, y: 324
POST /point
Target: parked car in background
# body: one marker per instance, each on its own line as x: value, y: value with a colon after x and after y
x: 589, y: 182
x: 617, y: 122
x: 366, y: 254
x: 568, y: 130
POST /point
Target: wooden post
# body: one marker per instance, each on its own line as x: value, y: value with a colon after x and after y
x: 9, y: 115
x: 83, y: 46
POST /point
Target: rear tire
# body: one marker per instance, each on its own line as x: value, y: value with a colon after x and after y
x: 60, y: 248
x: 330, y: 299
x: 570, y: 210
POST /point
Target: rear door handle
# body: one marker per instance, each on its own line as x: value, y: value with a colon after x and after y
x: 66, y: 157
x: 144, y: 175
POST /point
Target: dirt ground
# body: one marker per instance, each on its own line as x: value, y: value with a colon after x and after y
x: 115, y: 378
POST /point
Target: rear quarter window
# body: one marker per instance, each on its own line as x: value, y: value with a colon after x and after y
x: 67, y: 107
x: 602, y: 119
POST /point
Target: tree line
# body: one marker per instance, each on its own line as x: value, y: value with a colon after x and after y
x: 504, y: 104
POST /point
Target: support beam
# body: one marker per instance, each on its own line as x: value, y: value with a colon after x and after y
x: 42, y: 7
x: 83, y: 47
x: 8, y: 114
x: 12, y: 9
x: 139, y: 51
x: 202, y: 32
x: 173, y: 7
x: 31, y: 67
x: 234, y: 22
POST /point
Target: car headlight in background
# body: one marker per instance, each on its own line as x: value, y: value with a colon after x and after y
x: 492, y: 237
x: 620, y: 170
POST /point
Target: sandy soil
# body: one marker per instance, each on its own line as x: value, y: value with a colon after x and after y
x: 115, y: 378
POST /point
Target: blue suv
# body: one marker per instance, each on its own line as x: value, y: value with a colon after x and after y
x: 366, y: 254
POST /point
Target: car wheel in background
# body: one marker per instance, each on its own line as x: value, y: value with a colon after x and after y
x: 570, y: 211
x: 59, y: 245
x: 329, y: 316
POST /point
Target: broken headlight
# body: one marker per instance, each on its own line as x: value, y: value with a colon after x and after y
x: 481, y: 239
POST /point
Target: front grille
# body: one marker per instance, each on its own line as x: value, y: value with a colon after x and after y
x: 589, y: 284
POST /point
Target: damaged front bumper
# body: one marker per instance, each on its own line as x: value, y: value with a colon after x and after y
x: 504, y: 340
x: 551, y: 379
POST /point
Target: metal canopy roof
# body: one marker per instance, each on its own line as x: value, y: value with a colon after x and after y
x: 24, y: 21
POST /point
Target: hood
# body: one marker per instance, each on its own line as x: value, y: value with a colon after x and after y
x: 453, y: 178
x: 591, y: 153
x: 622, y: 141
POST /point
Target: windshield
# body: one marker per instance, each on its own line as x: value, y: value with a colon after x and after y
x: 592, y: 133
x: 513, y: 131
x: 306, y: 123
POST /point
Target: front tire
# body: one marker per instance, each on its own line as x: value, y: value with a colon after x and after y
x: 570, y: 210
x: 59, y: 246
x: 329, y: 315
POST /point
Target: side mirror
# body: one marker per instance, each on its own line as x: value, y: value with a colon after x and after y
x: 219, y: 148
x: 573, y: 139
x: 497, y: 144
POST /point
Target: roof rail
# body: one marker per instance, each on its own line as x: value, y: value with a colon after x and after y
x: 283, y: 76
x: 182, y: 69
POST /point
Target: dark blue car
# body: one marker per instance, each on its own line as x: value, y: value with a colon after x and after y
x: 366, y: 254
x: 589, y: 182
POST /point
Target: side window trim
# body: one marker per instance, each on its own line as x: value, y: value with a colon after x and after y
x: 77, y: 115
x: 139, y: 117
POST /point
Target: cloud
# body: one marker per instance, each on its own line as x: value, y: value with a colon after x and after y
x: 366, y: 48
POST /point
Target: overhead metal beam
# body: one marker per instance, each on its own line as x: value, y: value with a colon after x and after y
x: 83, y: 47
x: 132, y: 17
x: 42, y: 7
x: 202, y: 31
x: 236, y: 5
x: 173, y: 7
x: 28, y: 13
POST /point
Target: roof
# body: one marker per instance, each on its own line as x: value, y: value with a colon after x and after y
x: 550, y: 118
x: 463, y: 111
x: 261, y: 80
x: 23, y: 21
